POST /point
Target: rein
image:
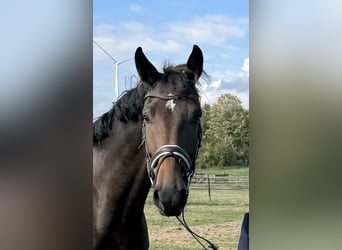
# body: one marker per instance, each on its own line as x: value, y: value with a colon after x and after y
x: 194, y: 235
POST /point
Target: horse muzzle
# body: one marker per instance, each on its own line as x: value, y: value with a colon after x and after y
x: 170, y: 170
x: 170, y: 201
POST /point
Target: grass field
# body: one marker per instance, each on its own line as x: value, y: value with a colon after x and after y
x: 218, y: 220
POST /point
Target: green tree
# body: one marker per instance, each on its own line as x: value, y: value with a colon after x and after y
x: 205, y: 118
x: 225, y: 133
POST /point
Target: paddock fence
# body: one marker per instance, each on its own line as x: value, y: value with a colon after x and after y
x: 219, y: 181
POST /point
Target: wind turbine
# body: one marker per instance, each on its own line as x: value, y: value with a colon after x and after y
x: 116, y: 65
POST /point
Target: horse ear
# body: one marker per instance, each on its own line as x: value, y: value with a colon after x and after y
x: 147, y: 72
x: 195, y: 61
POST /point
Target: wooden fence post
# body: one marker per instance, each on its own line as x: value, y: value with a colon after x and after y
x: 209, y: 191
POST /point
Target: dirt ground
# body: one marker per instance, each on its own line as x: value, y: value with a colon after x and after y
x: 224, y: 235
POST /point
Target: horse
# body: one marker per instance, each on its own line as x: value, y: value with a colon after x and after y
x: 150, y: 138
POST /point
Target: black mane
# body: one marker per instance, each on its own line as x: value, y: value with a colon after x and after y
x: 127, y: 108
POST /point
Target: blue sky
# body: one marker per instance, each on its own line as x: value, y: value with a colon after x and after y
x: 167, y: 30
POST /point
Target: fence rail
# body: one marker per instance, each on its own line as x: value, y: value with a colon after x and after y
x: 219, y: 181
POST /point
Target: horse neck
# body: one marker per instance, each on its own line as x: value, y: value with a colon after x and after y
x: 120, y: 171
x: 134, y: 180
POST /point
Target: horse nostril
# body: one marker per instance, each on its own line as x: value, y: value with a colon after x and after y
x: 170, y: 202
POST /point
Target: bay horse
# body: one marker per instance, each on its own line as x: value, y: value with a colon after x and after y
x: 155, y: 126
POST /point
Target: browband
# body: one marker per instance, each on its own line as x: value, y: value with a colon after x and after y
x: 162, y: 97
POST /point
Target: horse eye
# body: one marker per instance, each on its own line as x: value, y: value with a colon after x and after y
x: 146, y: 118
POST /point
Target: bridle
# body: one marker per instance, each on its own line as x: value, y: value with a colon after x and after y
x: 184, y: 161
x: 155, y: 160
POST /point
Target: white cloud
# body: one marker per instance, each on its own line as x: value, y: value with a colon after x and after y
x: 235, y: 83
x: 120, y: 39
x: 210, y: 29
x: 211, y: 97
x: 216, y: 84
x: 245, y: 66
x: 136, y: 8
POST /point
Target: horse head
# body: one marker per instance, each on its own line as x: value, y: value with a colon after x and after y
x: 171, y: 128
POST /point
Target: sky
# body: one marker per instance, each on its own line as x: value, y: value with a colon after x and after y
x: 167, y: 30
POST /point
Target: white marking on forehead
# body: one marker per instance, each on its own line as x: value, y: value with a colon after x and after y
x: 170, y: 104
